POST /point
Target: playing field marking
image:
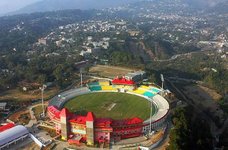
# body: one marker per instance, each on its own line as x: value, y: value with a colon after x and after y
x: 111, y: 106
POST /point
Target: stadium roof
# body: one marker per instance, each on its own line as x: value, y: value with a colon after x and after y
x: 127, y: 122
x: 122, y: 81
x: 12, y: 134
x: 103, y: 122
x: 78, y: 119
x: 132, y: 74
x: 64, y: 112
x: 90, y: 116
x: 6, y: 127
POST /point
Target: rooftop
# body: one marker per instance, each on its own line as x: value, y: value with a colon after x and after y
x: 122, y: 81
x: 132, y: 74
x: 6, y: 127
x: 90, y: 117
x: 12, y: 134
x: 3, y: 104
x: 78, y: 119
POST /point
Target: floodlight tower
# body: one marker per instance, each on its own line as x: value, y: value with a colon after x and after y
x: 150, y: 116
x: 81, y: 76
x: 42, y: 97
x: 162, y: 79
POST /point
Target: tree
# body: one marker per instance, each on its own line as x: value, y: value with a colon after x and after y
x: 187, y: 133
x: 42, y: 78
x: 58, y: 74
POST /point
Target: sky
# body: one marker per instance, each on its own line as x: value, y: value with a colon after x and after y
x: 13, y: 5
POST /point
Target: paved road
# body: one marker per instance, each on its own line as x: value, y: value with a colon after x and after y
x: 165, y: 139
x: 176, y: 56
x: 33, y: 119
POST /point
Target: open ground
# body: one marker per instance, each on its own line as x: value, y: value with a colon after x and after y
x: 16, y: 94
x: 110, y: 71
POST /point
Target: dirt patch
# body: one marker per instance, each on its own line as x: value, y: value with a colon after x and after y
x: 212, y: 93
x: 21, y: 117
x: 31, y: 146
x: 16, y: 94
x: 205, y: 101
x: 110, y: 71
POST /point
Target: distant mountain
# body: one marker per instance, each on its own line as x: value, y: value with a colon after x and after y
x: 220, y: 8
x: 189, y: 4
x: 198, y: 3
x: 53, y: 5
x: 204, y: 3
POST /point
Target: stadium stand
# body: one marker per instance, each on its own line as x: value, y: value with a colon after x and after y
x: 162, y: 109
x: 95, y: 88
x: 108, y: 88
x: 148, y: 94
x: 139, y: 91
x: 94, y: 84
x: 147, y: 91
x: 53, y: 113
x: 104, y: 83
x: 155, y: 90
x: 63, y: 97
x: 122, y: 81
x: 145, y: 87
x: 129, y: 87
x: 118, y: 86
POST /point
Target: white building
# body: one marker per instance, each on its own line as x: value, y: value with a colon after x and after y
x: 136, y: 76
x: 3, y: 106
x: 13, y: 136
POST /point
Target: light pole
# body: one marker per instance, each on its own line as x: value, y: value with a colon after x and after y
x: 81, y: 73
x: 162, y: 79
x: 81, y: 77
x: 150, y: 115
x: 42, y: 97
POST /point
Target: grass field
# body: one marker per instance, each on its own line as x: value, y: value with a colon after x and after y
x: 110, y: 105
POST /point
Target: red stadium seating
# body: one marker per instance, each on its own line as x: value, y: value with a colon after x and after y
x: 123, y: 81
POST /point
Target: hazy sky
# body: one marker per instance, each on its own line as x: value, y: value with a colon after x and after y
x: 12, y: 5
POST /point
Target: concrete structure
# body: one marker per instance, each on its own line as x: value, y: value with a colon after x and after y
x: 90, y: 128
x: 136, y: 76
x: 3, y: 105
x: 64, y: 123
